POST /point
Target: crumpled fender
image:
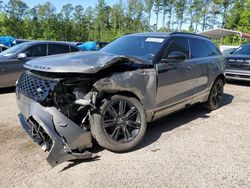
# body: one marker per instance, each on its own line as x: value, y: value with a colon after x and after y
x: 141, y: 82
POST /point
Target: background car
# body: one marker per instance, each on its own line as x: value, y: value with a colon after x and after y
x: 237, y: 65
x: 12, y: 60
x: 2, y: 47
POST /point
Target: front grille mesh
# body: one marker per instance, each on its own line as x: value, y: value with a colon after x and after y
x: 238, y: 65
x: 35, y: 87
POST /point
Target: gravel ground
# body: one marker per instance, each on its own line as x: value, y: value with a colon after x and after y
x: 192, y: 148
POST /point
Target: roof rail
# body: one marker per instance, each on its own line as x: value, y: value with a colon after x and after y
x: 178, y: 32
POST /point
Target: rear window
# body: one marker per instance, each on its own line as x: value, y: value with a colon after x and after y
x: 58, y: 49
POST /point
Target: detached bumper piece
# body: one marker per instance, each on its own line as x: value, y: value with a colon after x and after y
x: 53, y: 131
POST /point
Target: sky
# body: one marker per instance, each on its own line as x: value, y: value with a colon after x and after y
x: 59, y: 3
x: 85, y: 3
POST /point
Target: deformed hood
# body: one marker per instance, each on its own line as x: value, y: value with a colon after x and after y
x: 79, y: 62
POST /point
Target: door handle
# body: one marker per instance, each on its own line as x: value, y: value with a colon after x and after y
x: 188, y: 67
x: 2, y: 70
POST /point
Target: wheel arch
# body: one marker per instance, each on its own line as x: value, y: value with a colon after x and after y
x: 123, y: 93
x: 221, y: 76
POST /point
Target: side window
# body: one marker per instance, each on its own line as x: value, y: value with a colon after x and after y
x: 201, y: 48
x: 36, y: 50
x: 58, y: 49
x: 213, y: 49
x: 178, y: 44
x: 74, y: 49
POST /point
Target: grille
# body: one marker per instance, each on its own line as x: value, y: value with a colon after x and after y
x: 35, y: 87
x: 242, y: 65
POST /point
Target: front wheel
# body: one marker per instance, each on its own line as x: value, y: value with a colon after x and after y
x: 215, y: 96
x: 120, y: 124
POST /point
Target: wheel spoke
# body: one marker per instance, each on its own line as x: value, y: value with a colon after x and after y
x: 217, y: 100
x: 122, y: 107
x: 126, y: 133
x: 133, y: 124
x: 115, y: 133
x: 112, y: 111
x: 109, y: 123
x: 131, y: 112
x: 214, y: 99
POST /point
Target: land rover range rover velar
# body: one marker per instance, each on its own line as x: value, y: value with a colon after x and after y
x: 110, y: 95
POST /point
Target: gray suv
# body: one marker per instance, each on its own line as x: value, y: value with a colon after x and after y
x: 112, y: 94
x: 12, y: 59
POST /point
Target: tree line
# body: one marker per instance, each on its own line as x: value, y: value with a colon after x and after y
x: 105, y: 22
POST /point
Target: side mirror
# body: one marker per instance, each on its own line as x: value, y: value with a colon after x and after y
x: 21, y: 56
x: 175, y: 56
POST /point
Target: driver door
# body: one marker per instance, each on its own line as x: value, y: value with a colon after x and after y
x: 32, y: 52
x: 175, y: 79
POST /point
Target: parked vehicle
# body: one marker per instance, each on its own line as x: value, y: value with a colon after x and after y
x: 12, y: 60
x: 111, y: 94
x: 2, y: 47
x: 238, y: 64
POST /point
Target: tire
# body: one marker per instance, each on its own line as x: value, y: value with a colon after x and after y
x: 120, y: 124
x: 215, y: 96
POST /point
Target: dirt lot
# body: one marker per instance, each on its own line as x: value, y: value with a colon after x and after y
x: 192, y: 148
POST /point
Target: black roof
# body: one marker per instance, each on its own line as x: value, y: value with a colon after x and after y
x: 48, y: 42
x: 166, y: 34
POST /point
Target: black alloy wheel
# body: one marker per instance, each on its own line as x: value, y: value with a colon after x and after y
x: 121, y: 121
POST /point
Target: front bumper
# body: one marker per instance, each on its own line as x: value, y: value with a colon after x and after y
x: 237, y: 74
x: 67, y: 137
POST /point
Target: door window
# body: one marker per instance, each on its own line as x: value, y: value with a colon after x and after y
x: 178, y: 44
x: 36, y: 50
x: 58, y: 49
x: 201, y: 48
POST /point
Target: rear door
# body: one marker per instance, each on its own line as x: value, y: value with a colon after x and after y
x: 34, y: 51
x: 175, y: 79
x: 203, y: 56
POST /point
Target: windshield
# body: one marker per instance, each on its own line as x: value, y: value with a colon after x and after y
x: 13, y: 50
x: 243, y: 50
x: 141, y: 47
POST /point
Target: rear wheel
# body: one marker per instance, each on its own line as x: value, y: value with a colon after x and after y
x: 120, y: 123
x: 215, y: 96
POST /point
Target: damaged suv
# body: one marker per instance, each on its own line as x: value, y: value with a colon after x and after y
x: 110, y: 95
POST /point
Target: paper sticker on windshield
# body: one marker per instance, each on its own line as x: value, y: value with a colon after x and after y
x: 160, y: 40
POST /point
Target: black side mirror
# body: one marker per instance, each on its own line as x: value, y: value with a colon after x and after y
x: 175, y: 56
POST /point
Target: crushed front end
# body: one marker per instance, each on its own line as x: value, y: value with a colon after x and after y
x: 54, y: 113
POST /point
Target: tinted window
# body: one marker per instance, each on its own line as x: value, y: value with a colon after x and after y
x: 244, y: 50
x: 213, y: 49
x: 74, y: 49
x: 178, y: 44
x: 58, y: 49
x: 201, y: 48
x: 36, y: 50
